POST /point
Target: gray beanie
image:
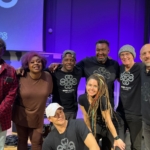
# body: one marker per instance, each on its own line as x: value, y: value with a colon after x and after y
x: 127, y: 48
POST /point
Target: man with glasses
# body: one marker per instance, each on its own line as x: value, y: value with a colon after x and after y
x: 68, y: 134
x: 130, y: 95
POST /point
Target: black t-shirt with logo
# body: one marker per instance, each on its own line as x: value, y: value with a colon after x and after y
x: 65, y: 85
x: 145, y: 95
x: 110, y: 70
x: 130, y: 90
x: 83, y: 101
x: 72, y: 139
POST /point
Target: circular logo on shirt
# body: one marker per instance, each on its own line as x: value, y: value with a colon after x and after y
x: 68, y: 81
x: 105, y: 73
x: 126, y: 78
x: 66, y: 145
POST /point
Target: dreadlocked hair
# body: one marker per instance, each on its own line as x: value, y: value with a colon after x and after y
x: 96, y: 102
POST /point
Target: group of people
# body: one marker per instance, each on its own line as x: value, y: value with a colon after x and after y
x: 23, y: 98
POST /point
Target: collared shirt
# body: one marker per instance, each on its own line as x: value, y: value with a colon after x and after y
x: 8, y: 91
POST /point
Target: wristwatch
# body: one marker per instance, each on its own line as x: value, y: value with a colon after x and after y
x: 116, y: 138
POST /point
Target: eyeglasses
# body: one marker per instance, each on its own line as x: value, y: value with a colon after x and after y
x: 125, y: 54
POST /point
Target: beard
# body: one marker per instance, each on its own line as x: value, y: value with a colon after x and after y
x: 102, y: 60
x: 147, y: 64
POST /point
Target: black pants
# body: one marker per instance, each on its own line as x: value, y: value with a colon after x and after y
x: 70, y: 115
x: 107, y: 138
x: 134, y: 124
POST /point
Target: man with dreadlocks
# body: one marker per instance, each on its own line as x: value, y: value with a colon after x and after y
x: 97, y: 111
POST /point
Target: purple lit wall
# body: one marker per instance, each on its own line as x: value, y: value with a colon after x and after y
x: 78, y: 24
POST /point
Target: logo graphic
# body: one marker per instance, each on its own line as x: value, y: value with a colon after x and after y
x: 66, y: 145
x: 3, y: 35
x: 126, y: 78
x: 10, y: 4
x: 145, y: 91
x: 103, y: 72
x: 68, y: 81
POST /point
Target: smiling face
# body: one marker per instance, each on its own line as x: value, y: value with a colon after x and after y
x: 59, y: 118
x: 68, y: 63
x: 92, y: 87
x: 102, y: 51
x: 145, y: 54
x: 35, y: 64
x: 126, y: 58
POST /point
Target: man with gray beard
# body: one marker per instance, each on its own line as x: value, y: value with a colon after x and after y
x: 145, y: 83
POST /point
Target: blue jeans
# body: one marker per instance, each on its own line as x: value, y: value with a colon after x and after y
x: 2, y: 138
x: 146, y: 132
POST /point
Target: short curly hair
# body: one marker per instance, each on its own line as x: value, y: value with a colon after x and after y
x: 25, y: 59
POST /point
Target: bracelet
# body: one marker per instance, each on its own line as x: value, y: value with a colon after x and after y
x: 117, y: 137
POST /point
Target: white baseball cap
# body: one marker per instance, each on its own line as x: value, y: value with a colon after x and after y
x: 51, y: 109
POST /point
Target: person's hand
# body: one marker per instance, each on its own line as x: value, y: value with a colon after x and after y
x: 52, y: 67
x: 20, y: 71
x: 119, y: 143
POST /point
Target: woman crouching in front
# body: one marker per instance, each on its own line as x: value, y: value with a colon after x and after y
x: 98, y: 113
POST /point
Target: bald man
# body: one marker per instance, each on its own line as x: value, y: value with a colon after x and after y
x: 145, y: 78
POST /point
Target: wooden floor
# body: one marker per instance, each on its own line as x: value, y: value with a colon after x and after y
x: 10, y: 148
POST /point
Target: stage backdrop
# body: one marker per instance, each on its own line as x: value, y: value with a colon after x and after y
x: 21, y: 24
x: 78, y: 24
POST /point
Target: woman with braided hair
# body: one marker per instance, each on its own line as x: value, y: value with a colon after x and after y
x: 98, y: 113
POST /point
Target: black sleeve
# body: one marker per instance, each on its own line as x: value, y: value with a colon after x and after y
x: 104, y: 103
x: 141, y: 65
x: 117, y: 71
x: 80, y: 65
x: 81, y: 100
x: 81, y: 129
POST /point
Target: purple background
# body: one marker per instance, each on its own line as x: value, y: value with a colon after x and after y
x: 78, y: 24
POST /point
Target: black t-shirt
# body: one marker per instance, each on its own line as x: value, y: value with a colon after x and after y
x: 72, y: 139
x: 83, y: 101
x: 65, y: 85
x: 145, y: 95
x: 130, y: 90
x: 110, y: 70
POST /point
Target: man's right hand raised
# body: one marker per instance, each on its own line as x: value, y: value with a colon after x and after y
x: 52, y: 67
x: 20, y: 71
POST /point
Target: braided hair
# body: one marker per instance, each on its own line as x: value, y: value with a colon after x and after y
x: 96, y: 101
